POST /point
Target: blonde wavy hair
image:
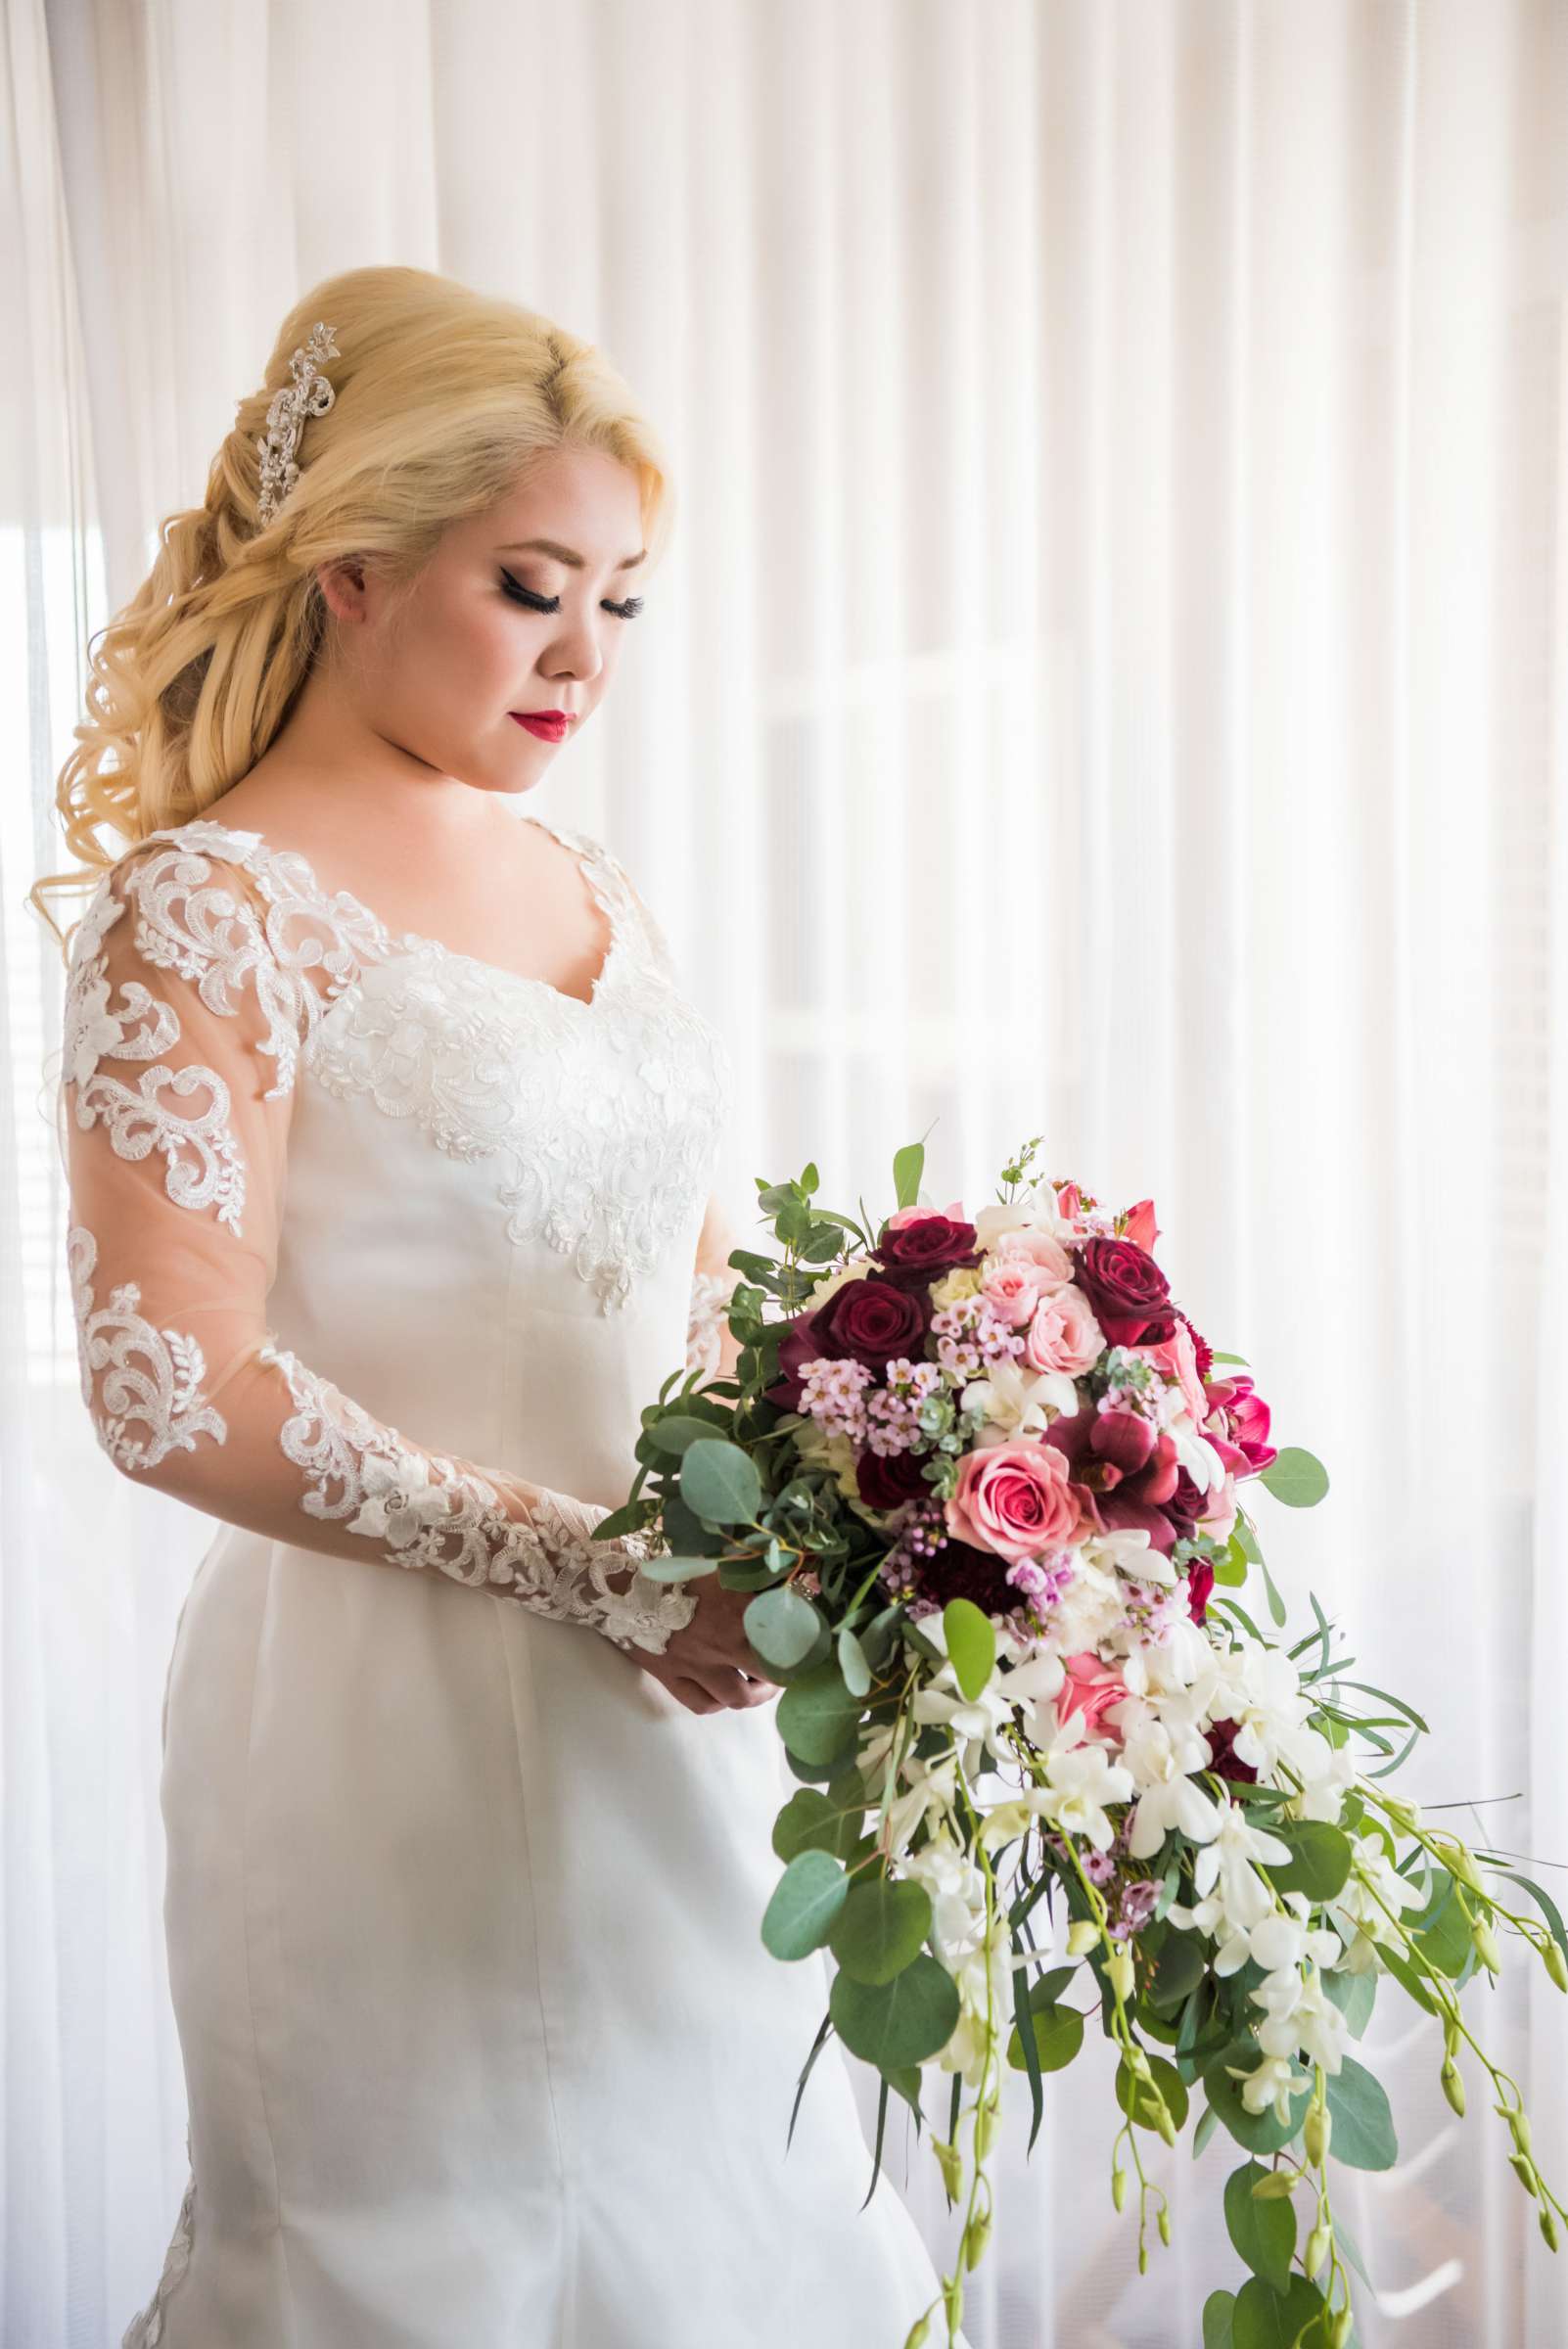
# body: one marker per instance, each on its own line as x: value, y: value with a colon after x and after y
x: 444, y: 400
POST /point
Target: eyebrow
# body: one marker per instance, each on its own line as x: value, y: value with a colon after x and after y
x: 563, y: 554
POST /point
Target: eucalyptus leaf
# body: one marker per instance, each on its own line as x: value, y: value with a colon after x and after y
x: 817, y: 1715
x: 1319, y: 1858
x: 1219, y: 2309
x: 1296, y: 1477
x: 1138, y: 2104
x: 807, y: 1899
x: 1354, y: 1995
x: 813, y: 1821
x: 782, y: 1624
x: 900, y: 2022
x: 719, y: 1481
x: 1264, y: 2318
x: 1262, y: 2233
x: 678, y: 1430
x: 1058, y: 2032
x: 1363, y: 2136
x: 678, y: 1570
x: 853, y: 1662
x: 881, y: 1929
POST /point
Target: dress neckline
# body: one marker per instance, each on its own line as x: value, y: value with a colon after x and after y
x: 257, y: 853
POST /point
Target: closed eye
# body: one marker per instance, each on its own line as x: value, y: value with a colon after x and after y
x: 552, y: 603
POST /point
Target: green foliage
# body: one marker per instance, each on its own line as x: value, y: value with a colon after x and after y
x: 719, y: 1481
x: 881, y: 1929
x: 1296, y: 1477
x: 815, y: 1821
x: 908, y: 1165
x: 1364, y: 2127
x: 1058, y: 2032
x: 971, y: 1644
x: 782, y: 1624
x: 1219, y: 2309
x: 817, y: 1715
x: 1262, y: 2233
x: 1319, y: 1858
x: 900, y: 2022
x: 1140, y: 2105
x: 1261, y: 2133
x: 807, y: 1899
x: 1264, y: 2318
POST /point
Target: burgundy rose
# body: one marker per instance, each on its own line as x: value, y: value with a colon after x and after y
x: 887, y: 1480
x: 925, y: 1247
x: 1200, y: 1583
x: 959, y: 1570
x: 1222, y: 1738
x: 1189, y: 1504
x: 1130, y: 1294
x: 868, y: 1321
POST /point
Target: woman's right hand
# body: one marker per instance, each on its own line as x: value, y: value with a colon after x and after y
x: 710, y: 1664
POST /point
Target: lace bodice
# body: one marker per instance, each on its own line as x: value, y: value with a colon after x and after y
x: 292, y: 1130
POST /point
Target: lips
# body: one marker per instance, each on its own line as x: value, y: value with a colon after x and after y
x: 551, y: 725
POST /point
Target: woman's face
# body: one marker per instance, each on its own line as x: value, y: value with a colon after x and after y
x: 494, y: 628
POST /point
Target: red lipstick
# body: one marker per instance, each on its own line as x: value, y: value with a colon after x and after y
x: 551, y: 725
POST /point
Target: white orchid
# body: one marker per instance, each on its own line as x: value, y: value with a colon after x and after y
x: 1081, y: 1782
x: 1299, y: 2016
x: 1018, y: 1400
x: 1362, y: 1922
x: 1160, y: 1757
x: 929, y: 1786
x: 1274, y: 2082
x: 975, y: 1720
x: 1232, y: 1860
x: 958, y: 1891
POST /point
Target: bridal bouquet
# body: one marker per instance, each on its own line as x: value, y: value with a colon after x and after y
x: 985, y: 1481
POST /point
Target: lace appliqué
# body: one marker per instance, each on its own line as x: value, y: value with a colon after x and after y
x: 197, y: 926
x: 427, y: 1512
x: 603, y: 1116
x: 146, y: 2330
x: 706, y: 1318
x: 153, y: 1377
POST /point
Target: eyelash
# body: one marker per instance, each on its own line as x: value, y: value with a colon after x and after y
x: 552, y: 603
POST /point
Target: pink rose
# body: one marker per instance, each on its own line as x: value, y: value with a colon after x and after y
x: 1015, y: 1498
x: 1091, y: 1688
x: 1064, y: 1334
x: 1177, y: 1357
x: 1012, y: 1287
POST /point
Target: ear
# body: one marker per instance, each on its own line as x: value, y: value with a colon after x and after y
x: 343, y: 588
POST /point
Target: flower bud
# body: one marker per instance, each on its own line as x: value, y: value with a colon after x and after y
x: 1143, y: 2259
x: 985, y: 2130
x: 1163, y: 2221
x: 1119, y: 1973
x: 1342, y: 2325
x: 919, y: 2334
x: 1119, y: 2187
x: 976, y: 2239
x: 1548, y: 2227
x: 1082, y: 1937
x: 1458, y: 1862
x: 1400, y: 1813
x: 1485, y: 1945
x: 1556, y: 1965
x: 1165, y: 2121
x: 1524, y: 2168
x: 952, y: 2299
x: 951, y: 2165
x: 1316, y: 2250
x: 1452, y: 2085
x: 1275, y: 2186
x: 1519, y: 2122
x: 1317, y: 2129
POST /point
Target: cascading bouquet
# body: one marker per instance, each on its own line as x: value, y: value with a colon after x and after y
x: 982, y: 1478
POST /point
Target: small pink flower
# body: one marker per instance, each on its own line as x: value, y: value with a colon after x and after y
x: 1015, y: 1499
x: 1091, y: 1688
x: 1064, y: 1334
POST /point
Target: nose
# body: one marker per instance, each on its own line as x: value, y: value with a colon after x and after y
x: 576, y: 651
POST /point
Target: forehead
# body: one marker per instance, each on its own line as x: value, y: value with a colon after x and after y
x: 580, y: 498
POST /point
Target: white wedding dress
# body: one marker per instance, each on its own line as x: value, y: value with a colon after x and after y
x: 377, y: 1250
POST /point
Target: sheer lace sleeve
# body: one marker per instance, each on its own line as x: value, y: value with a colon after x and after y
x: 185, y: 1005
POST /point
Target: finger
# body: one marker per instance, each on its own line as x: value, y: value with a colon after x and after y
x: 693, y: 1695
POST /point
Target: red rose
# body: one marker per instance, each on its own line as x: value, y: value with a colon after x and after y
x: 887, y: 1480
x: 868, y: 1321
x: 1130, y: 1294
x: 924, y: 1245
x: 1222, y: 1738
x: 1200, y: 1582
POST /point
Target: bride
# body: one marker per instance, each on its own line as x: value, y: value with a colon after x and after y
x: 390, y: 1134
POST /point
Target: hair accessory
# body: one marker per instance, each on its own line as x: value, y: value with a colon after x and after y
x: 310, y: 394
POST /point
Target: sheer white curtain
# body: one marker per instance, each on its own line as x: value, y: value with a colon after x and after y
x: 1113, y: 682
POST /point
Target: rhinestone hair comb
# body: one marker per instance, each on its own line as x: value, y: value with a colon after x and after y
x: 308, y: 395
